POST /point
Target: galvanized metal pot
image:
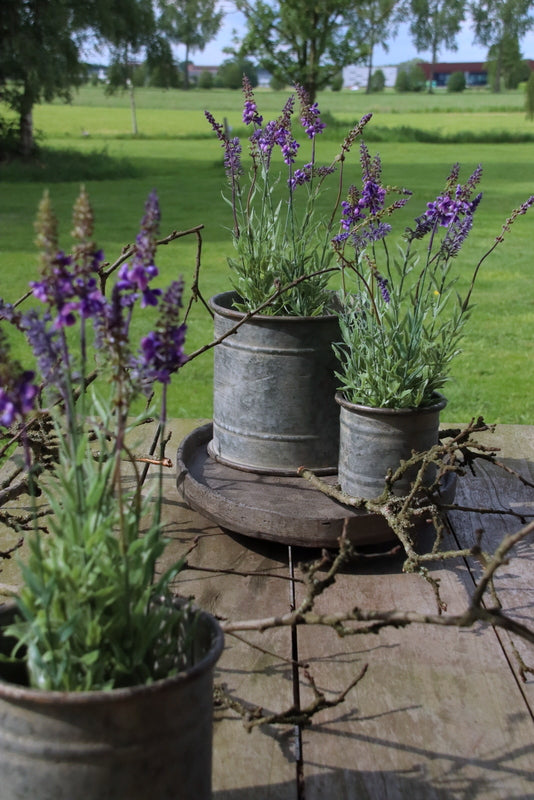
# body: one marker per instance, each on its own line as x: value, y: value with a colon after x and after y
x: 141, y: 743
x: 373, y: 440
x: 274, y: 386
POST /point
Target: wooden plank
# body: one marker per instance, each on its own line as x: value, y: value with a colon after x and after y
x: 439, y: 713
x: 239, y: 579
x: 493, y: 487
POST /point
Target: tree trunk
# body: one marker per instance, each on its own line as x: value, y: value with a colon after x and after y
x: 498, y: 70
x: 132, y: 106
x: 186, y: 68
x: 434, y: 62
x: 370, y: 67
x: 26, y: 141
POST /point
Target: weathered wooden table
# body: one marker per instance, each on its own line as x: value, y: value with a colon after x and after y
x: 441, y: 712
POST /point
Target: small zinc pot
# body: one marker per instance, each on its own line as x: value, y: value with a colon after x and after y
x: 274, y: 386
x: 373, y: 440
x: 145, y: 742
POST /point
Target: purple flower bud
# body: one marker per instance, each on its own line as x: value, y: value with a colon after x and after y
x: 383, y: 286
x: 17, y: 396
x: 162, y: 351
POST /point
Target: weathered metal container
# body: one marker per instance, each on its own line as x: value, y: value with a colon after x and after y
x: 373, y: 440
x: 143, y: 743
x: 274, y: 406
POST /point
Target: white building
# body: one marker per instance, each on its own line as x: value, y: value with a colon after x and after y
x: 355, y: 76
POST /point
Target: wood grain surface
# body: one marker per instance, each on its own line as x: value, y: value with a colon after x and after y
x: 441, y: 713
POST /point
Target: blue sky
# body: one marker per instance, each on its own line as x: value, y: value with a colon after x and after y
x: 400, y: 49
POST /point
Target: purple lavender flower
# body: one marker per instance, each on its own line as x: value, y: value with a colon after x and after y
x: 444, y: 211
x: 91, y: 299
x: 42, y: 336
x: 456, y: 235
x: 373, y: 197
x: 352, y: 211
x: 18, y: 400
x: 264, y: 138
x: 232, y: 157
x: 232, y: 148
x: 17, y: 390
x: 300, y: 176
x: 310, y: 114
x: 57, y: 290
x: 367, y: 235
x: 383, y: 286
x: 135, y: 278
x: 371, y: 167
x: 250, y: 109
x: 288, y: 145
x: 162, y: 351
x: 354, y: 133
x: 452, y: 178
x: 8, y: 311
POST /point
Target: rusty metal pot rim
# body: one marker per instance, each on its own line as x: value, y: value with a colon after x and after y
x: 222, y: 304
x: 441, y: 402
x: 47, y: 697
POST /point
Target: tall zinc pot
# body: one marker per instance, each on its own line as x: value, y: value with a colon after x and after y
x: 141, y: 742
x: 274, y: 406
x: 374, y: 440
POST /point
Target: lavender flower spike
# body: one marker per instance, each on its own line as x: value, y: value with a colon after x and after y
x: 17, y: 390
x: 162, y: 351
x: 137, y: 277
x: 250, y: 109
x: 310, y: 114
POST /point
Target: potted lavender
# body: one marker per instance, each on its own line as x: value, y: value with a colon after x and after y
x: 274, y: 379
x: 105, y: 678
x: 402, y: 320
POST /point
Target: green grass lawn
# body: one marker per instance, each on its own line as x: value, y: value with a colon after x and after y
x: 175, y: 154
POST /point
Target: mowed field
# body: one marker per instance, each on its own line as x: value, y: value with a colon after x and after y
x: 91, y: 142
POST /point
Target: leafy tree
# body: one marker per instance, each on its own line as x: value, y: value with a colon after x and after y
x: 378, y: 81
x: 496, y: 24
x: 277, y: 84
x: 192, y: 23
x: 160, y: 65
x: 40, y: 45
x: 302, y: 42
x: 336, y: 84
x: 127, y: 34
x: 230, y: 73
x: 434, y: 24
x: 375, y: 22
x: 205, y: 80
x: 410, y: 77
x: 38, y: 58
x: 507, y: 57
x: 456, y: 82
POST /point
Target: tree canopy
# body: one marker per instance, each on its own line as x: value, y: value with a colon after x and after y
x: 302, y: 42
x: 498, y: 24
x: 435, y: 23
x: 40, y: 47
x: 192, y: 23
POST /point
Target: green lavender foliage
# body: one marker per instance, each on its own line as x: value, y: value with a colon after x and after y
x: 92, y: 613
x: 397, y: 353
x: 270, y: 252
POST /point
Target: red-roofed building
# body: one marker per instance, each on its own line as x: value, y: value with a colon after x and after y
x: 476, y: 73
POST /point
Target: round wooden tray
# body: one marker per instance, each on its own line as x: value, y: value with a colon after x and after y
x: 287, y: 510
